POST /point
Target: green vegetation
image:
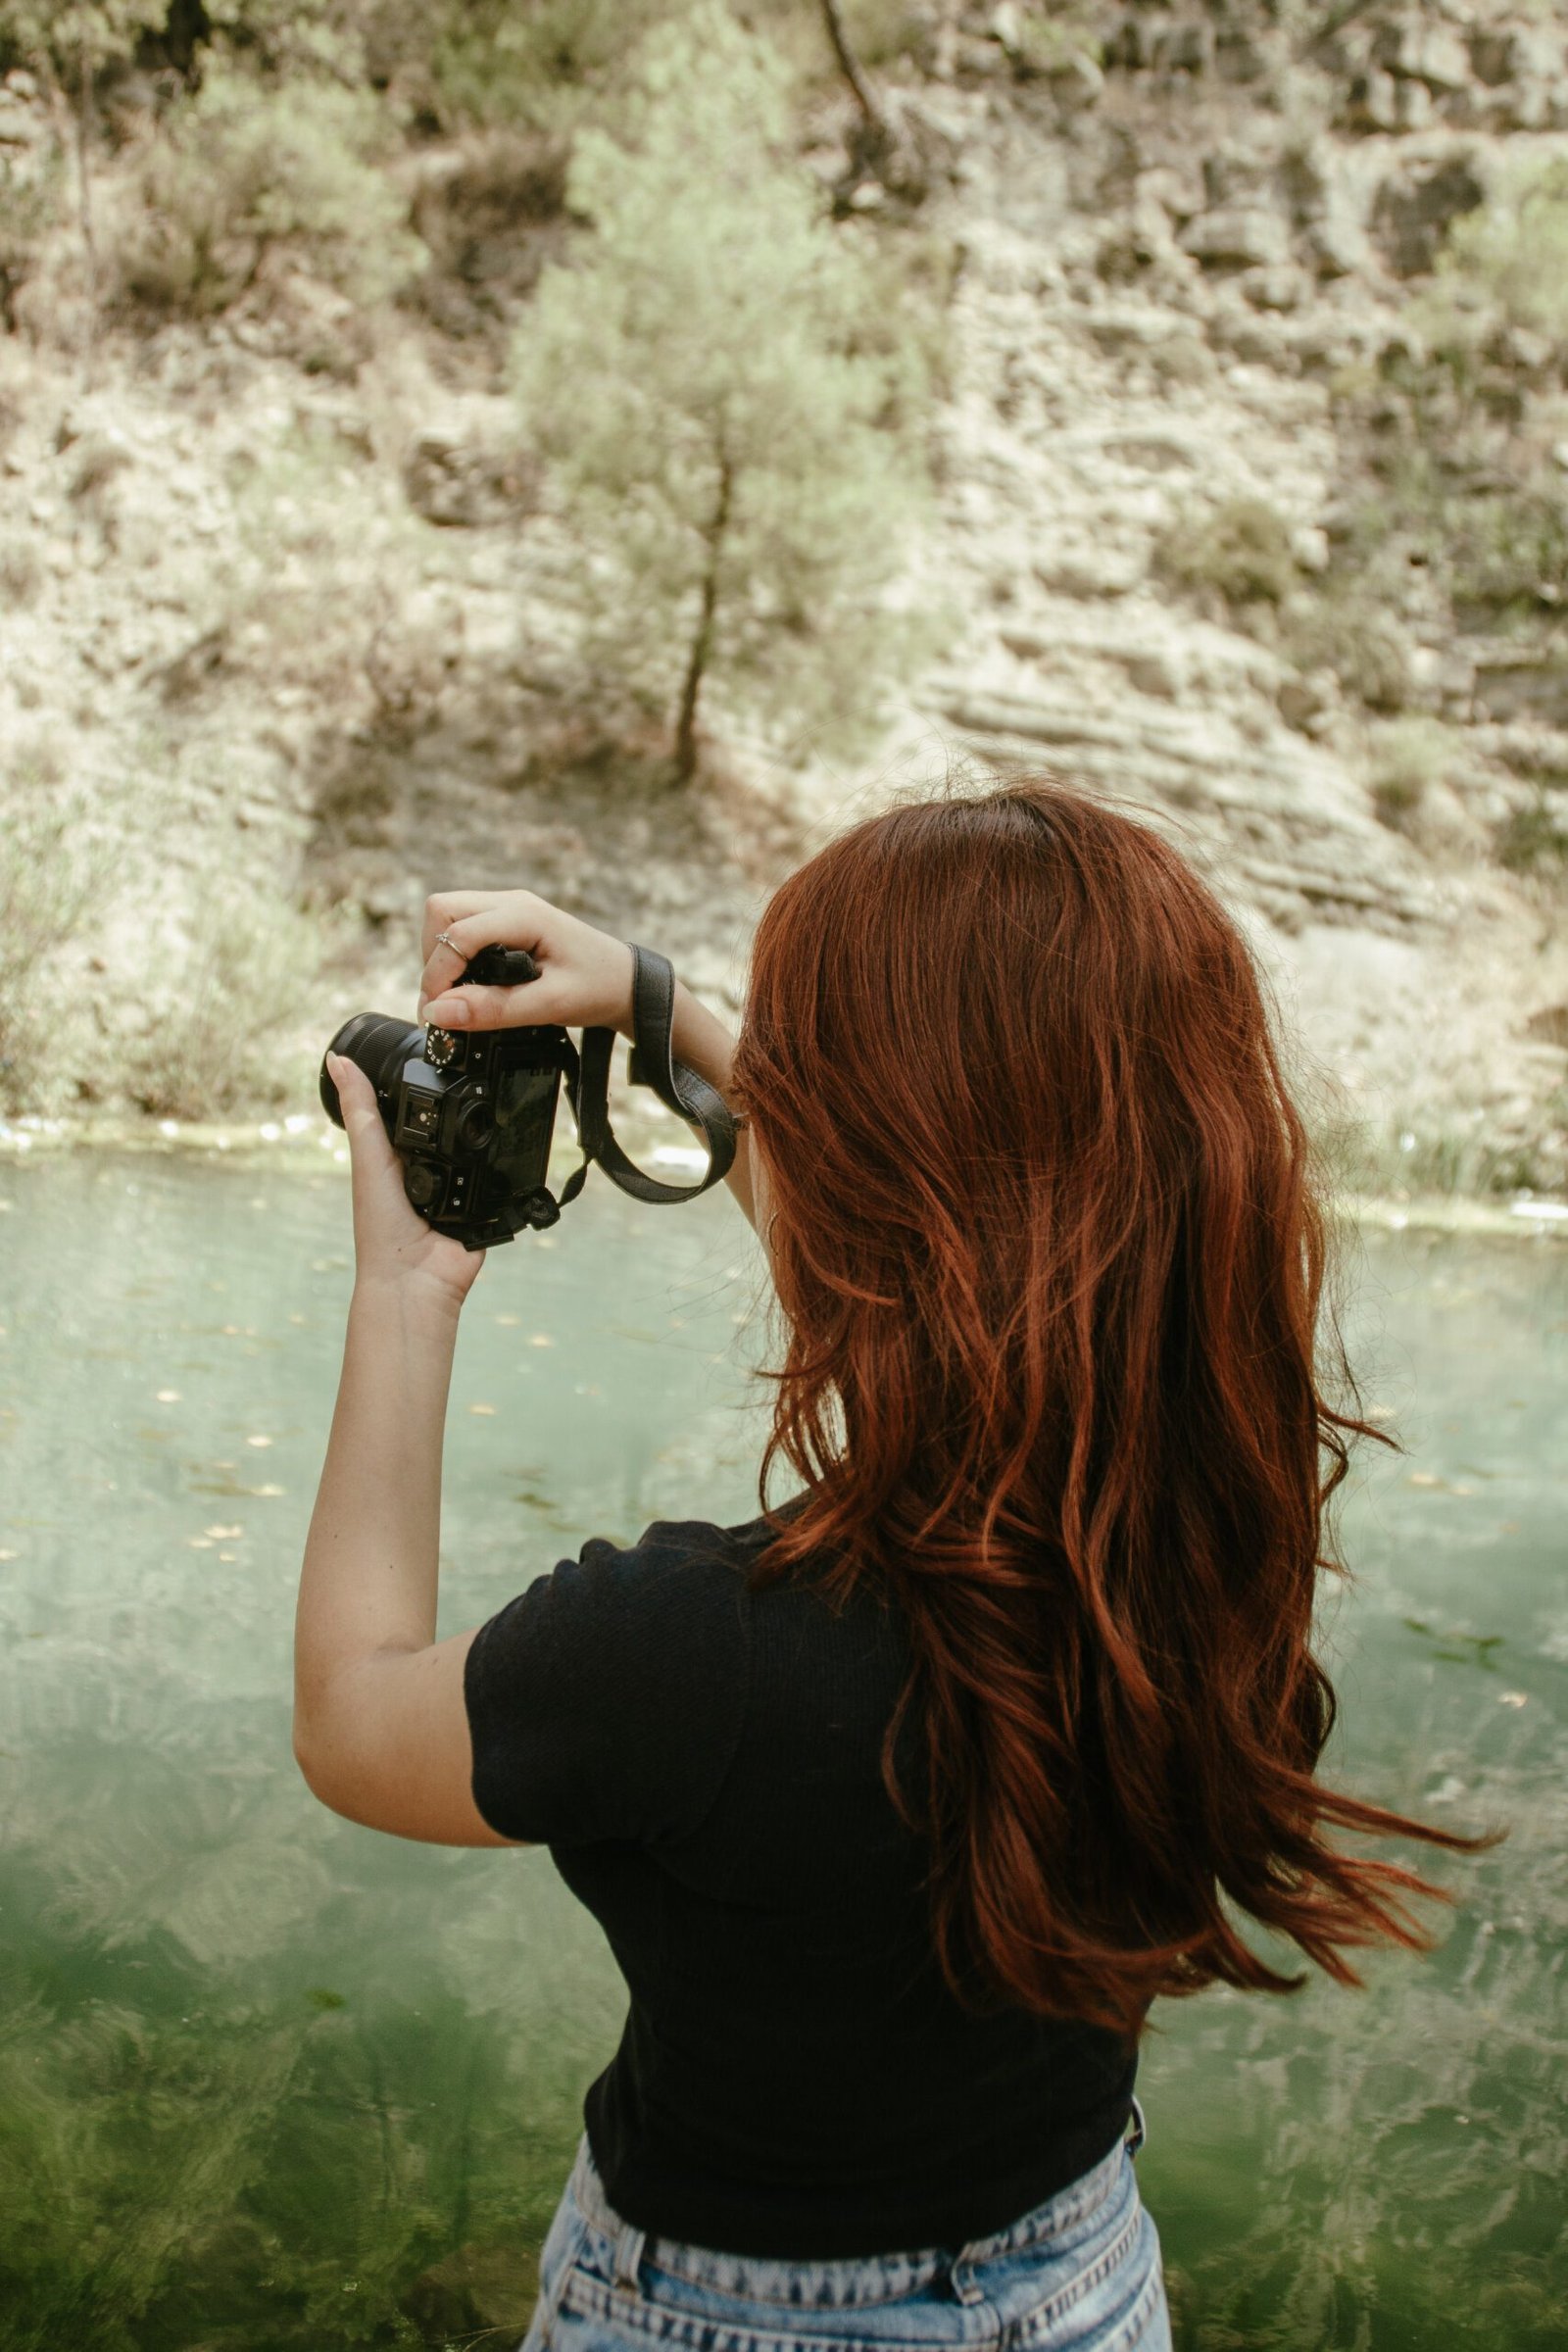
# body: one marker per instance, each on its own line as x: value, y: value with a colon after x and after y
x: 1534, y: 840
x: 1407, y: 755
x: 246, y: 173
x: 1345, y: 623
x: 204, y: 2155
x: 731, y: 414
x: 536, y: 67
x: 1398, y: 1158
x: 52, y: 873
x: 1233, y: 555
x: 80, y: 38
x: 1509, y: 547
x: 1458, y: 421
x: 1466, y: 520
x: 1507, y: 264
x: 247, y: 968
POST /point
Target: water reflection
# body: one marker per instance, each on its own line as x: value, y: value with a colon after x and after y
x: 266, y: 2078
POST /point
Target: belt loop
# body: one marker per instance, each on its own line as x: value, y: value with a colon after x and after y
x: 960, y: 2273
x: 1139, y: 2132
x: 628, y: 2258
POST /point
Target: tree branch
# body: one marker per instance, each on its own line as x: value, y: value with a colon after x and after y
x: 850, y: 66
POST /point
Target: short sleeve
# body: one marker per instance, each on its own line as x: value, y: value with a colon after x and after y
x: 606, y: 1701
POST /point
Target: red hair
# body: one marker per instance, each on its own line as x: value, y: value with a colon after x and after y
x: 1052, y: 1266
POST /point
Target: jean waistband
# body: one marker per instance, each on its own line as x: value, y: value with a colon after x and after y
x: 842, y: 2280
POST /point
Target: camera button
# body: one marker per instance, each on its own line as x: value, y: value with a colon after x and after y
x: 423, y: 1183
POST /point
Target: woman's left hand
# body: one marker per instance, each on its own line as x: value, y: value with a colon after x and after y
x: 392, y: 1241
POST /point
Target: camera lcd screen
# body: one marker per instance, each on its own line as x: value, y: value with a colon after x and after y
x: 525, y: 1106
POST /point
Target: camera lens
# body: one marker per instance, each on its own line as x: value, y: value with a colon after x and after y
x: 380, y: 1046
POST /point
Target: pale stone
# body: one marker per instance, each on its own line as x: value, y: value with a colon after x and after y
x: 1238, y: 236
x: 1420, y: 50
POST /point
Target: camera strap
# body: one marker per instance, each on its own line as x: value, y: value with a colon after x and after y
x: 652, y: 1064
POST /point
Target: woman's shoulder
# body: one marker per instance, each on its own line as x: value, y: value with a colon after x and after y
x: 669, y: 1541
x: 671, y: 1560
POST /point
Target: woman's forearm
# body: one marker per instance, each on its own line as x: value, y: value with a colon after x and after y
x: 700, y: 1038
x: 368, y: 1579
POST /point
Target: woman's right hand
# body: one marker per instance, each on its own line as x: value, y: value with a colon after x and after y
x: 584, y: 978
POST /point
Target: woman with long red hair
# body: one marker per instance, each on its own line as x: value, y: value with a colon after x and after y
x: 902, y: 1803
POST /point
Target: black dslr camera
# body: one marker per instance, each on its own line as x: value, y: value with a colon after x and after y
x: 471, y: 1113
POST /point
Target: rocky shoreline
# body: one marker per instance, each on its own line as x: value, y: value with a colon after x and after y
x: 303, y: 1144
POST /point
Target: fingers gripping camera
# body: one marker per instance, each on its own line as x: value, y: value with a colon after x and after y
x: 472, y: 1116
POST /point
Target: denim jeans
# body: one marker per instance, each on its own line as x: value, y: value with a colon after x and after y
x: 1079, y: 2274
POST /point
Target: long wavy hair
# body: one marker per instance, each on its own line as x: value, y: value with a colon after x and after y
x: 1052, y: 1267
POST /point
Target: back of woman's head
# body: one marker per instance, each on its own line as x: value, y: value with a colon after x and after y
x: 1052, y: 1267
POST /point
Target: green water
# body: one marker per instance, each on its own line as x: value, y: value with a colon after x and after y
x: 268, y: 2080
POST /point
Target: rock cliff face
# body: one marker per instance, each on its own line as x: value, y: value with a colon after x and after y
x: 295, y: 584
x: 1169, y: 270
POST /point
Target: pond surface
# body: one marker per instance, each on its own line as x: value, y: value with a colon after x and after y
x: 268, y: 2080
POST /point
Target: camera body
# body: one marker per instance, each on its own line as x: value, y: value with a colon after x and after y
x: 470, y: 1114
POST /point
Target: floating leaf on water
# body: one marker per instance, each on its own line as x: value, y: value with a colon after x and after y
x: 258, y: 1441
x: 199, y: 1542
x: 231, y: 1556
x: 540, y: 1339
x: 1423, y: 1478
x: 223, y: 1535
x: 168, y: 1396
x: 1513, y: 1698
x: 481, y: 1408
x: 9, y: 1555
x: 265, y: 1489
x: 321, y: 1997
x: 1458, y: 1648
x: 507, y: 1321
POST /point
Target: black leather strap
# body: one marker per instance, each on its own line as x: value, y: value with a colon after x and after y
x: 652, y: 1064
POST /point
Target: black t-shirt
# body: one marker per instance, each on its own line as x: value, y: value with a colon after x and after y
x: 793, y: 2079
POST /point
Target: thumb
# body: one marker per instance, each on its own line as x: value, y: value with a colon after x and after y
x: 356, y: 1096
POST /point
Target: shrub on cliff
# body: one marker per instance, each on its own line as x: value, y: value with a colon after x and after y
x: 214, y: 1007
x: 1509, y: 259
x: 497, y: 64
x: 53, y: 871
x: 1237, y: 554
x: 729, y: 399
x: 244, y: 174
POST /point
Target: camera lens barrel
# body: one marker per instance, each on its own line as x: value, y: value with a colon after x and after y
x: 380, y: 1046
